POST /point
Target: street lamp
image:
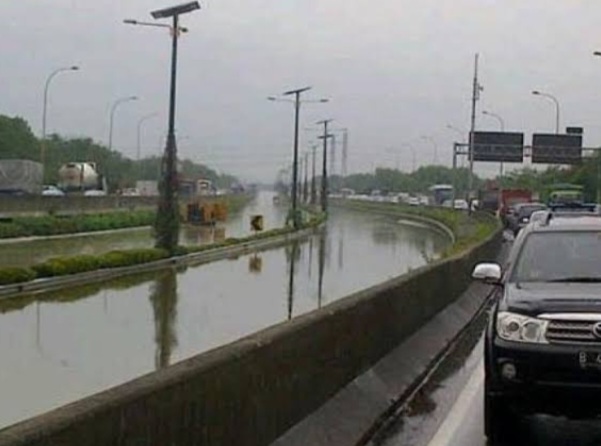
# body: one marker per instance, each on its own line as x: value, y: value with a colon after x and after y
x: 180, y: 29
x: 324, y: 169
x: 141, y: 121
x: 497, y: 117
x: 431, y: 140
x: 554, y: 99
x: 112, y: 119
x: 45, y: 107
x: 297, y: 103
x: 139, y: 139
x: 167, y: 222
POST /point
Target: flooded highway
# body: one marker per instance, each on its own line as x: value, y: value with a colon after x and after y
x: 27, y: 252
x: 63, y: 346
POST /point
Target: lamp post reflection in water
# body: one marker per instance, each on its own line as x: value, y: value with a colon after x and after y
x: 322, y: 262
x: 164, y: 305
x: 292, y: 254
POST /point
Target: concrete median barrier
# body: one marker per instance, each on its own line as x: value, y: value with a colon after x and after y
x: 253, y: 390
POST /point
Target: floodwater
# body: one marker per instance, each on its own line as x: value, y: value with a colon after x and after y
x: 28, y: 252
x: 60, y: 347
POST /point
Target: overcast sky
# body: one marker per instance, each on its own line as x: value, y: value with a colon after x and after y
x: 394, y: 71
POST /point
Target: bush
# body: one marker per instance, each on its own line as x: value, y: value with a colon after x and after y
x: 114, y: 259
x: 11, y: 274
x: 60, y: 266
x: 53, y: 225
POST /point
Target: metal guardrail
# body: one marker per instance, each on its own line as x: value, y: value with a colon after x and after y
x: 54, y: 283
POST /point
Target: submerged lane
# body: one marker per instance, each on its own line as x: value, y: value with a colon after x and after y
x: 24, y: 252
x: 60, y: 347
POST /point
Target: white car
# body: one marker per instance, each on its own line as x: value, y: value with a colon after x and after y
x: 413, y: 201
x: 461, y: 205
x: 52, y: 191
x: 94, y: 193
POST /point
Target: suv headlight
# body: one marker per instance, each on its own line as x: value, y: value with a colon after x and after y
x: 518, y: 328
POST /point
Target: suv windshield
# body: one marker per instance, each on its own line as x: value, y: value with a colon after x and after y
x: 559, y: 256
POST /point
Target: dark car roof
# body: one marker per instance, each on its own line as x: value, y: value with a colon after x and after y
x: 518, y: 206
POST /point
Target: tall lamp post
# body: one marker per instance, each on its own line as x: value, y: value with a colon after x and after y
x: 297, y: 103
x: 112, y: 118
x: 313, y: 199
x: 555, y: 101
x: 167, y: 222
x: 324, y: 168
x: 45, y: 107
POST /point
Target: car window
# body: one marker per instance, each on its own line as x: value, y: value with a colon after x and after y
x: 538, y: 260
x: 526, y: 211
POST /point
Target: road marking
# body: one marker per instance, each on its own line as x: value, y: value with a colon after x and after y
x: 457, y: 414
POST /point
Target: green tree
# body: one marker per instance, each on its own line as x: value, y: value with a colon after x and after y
x: 17, y: 141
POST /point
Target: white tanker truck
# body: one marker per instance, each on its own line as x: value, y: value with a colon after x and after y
x: 80, y: 177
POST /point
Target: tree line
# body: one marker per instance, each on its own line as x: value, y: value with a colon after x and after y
x: 586, y: 174
x: 17, y: 141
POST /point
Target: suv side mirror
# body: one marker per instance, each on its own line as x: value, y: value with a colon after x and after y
x: 488, y: 273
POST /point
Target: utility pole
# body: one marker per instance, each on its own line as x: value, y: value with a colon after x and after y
x: 324, y: 171
x: 306, y: 185
x: 313, y: 180
x: 477, y: 88
x: 344, y: 155
x: 333, y: 155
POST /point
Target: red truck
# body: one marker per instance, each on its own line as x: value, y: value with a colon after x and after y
x: 511, y: 197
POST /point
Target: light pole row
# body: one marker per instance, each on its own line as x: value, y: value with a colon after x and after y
x: 295, y: 215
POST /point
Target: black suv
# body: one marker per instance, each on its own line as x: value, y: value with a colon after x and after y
x: 520, y: 216
x: 543, y: 341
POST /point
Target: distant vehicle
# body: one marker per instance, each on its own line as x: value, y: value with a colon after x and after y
x: 413, y: 201
x: 423, y: 200
x: 95, y: 193
x: 440, y: 193
x: 52, y: 191
x: 510, y: 198
x: 148, y: 188
x: 194, y: 188
x: 521, y: 215
x: 461, y: 205
x: 542, y: 342
x: 564, y: 193
x: 346, y: 192
x: 80, y: 177
x: 130, y: 192
x: 20, y: 177
x: 489, y: 197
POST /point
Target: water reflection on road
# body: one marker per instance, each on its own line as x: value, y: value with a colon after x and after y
x: 59, y: 347
x: 24, y: 253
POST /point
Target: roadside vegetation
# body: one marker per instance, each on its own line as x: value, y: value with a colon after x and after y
x: 50, y: 225
x: 19, y: 142
x: 386, y: 180
x: 66, y: 265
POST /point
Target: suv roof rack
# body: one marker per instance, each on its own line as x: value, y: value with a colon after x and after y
x: 572, y: 209
x: 574, y: 206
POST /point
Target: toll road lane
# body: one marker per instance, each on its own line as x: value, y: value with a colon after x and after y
x: 463, y: 422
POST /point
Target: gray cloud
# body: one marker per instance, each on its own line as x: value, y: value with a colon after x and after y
x: 394, y: 70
